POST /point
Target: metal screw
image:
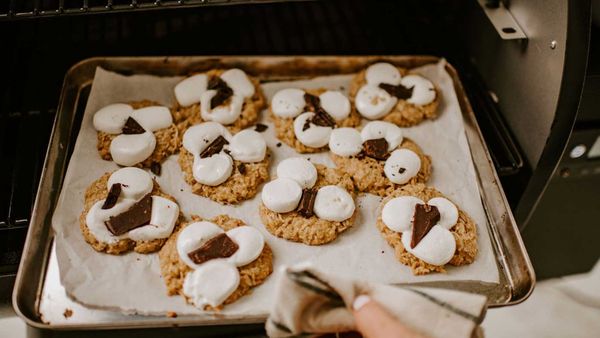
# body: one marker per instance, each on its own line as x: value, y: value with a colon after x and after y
x: 553, y: 44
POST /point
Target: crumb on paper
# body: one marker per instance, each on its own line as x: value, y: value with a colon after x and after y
x: 172, y: 314
x: 68, y: 313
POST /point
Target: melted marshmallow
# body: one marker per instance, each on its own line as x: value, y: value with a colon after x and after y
x: 380, y: 129
x: 397, y: 213
x: 198, y: 137
x: 315, y: 136
x: 423, y: 90
x: 135, y: 182
x: 436, y: 248
x: 402, y: 165
x: 281, y: 195
x: 345, y: 142
x: 153, y: 118
x: 211, y: 283
x: 237, y: 80
x: 225, y: 113
x: 189, y: 91
x: 194, y: 236
x: 335, y: 104
x: 373, y: 102
x: 382, y: 72
x: 248, y: 146
x: 298, y: 169
x: 111, y: 119
x: 164, y: 215
x: 288, y: 103
x: 333, y: 203
x: 127, y: 150
x: 448, y: 212
x: 250, y: 245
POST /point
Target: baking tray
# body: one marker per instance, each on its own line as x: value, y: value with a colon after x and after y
x: 517, y: 278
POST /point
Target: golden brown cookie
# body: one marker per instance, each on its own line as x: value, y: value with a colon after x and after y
x: 404, y: 114
x: 464, y: 232
x: 368, y: 175
x: 97, y: 191
x: 190, y: 115
x: 174, y: 270
x: 284, y: 127
x: 167, y: 140
x: 312, y: 230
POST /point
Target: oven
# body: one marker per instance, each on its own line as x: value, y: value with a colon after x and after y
x: 523, y: 64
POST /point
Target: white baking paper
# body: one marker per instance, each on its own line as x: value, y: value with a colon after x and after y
x: 132, y: 284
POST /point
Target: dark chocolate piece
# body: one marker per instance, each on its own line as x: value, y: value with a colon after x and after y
x: 377, y: 149
x: 323, y: 119
x: 242, y: 168
x: 313, y: 102
x: 138, y: 215
x: 307, y: 203
x: 306, y: 125
x: 425, y: 217
x: 260, y: 127
x: 113, y: 196
x: 214, y: 147
x: 398, y: 91
x: 132, y: 127
x: 220, y: 246
x: 155, y: 168
x: 224, y: 92
x: 401, y: 170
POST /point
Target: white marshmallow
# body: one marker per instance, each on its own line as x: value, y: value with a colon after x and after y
x: 373, y: 102
x: 162, y: 221
x: 211, y: 283
x: 381, y: 129
x: 402, y: 165
x: 111, y: 119
x: 198, y: 137
x: 96, y: 217
x: 250, y: 242
x: 333, y: 203
x: 448, y: 212
x: 335, y: 104
x: 248, y: 146
x: 237, y: 80
x: 382, y: 72
x: 128, y: 150
x: 298, y: 169
x: 189, y: 90
x: 423, y: 90
x: 193, y: 237
x: 225, y: 113
x: 288, y: 103
x: 436, y: 248
x: 135, y: 182
x: 345, y: 142
x: 281, y: 195
x: 397, y: 214
x: 315, y: 136
x: 212, y: 170
x: 153, y: 118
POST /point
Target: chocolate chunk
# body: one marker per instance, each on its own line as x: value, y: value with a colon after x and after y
x: 220, y: 246
x: 224, y: 92
x: 307, y: 203
x: 278, y: 144
x: 155, y: 168
x: 323, y: 119
x: 214, y: 147
x: 113, y: 196
x: 260, y: 127
x: 401, y: 170
x: 377, y: 149
x: 132, y: 127
x: 242, y: 168
x: 425, y: 217
x: 138, y: 215
x: 398, y: 91
x: 306, y: 125
x: 313, y: 102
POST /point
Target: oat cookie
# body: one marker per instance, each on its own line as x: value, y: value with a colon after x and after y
x: 135, y: 184
x: 394, y: 94
x: 240, y: 108
x: 288, y: 210
x: 296, y: 124
x: 165, y: 142
x: 459, y: 247
x: 174, y: 269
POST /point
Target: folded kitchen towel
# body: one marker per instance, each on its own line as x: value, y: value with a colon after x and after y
x: 311, y: 302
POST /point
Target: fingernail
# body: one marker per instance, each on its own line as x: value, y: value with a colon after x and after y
x: 360, y: 301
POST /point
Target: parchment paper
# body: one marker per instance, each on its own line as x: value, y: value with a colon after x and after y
x: 131, y: 283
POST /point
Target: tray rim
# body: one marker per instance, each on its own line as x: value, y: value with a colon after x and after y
x: 520, y: 279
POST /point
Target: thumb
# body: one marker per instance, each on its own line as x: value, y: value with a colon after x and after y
x: 373, y: 321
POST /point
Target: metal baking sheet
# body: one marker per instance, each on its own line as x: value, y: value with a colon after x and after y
x: 516, y: 274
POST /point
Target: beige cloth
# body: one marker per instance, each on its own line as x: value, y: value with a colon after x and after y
x: 310, y: 302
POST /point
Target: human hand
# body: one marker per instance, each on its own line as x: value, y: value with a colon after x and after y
x: 373, y: 321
